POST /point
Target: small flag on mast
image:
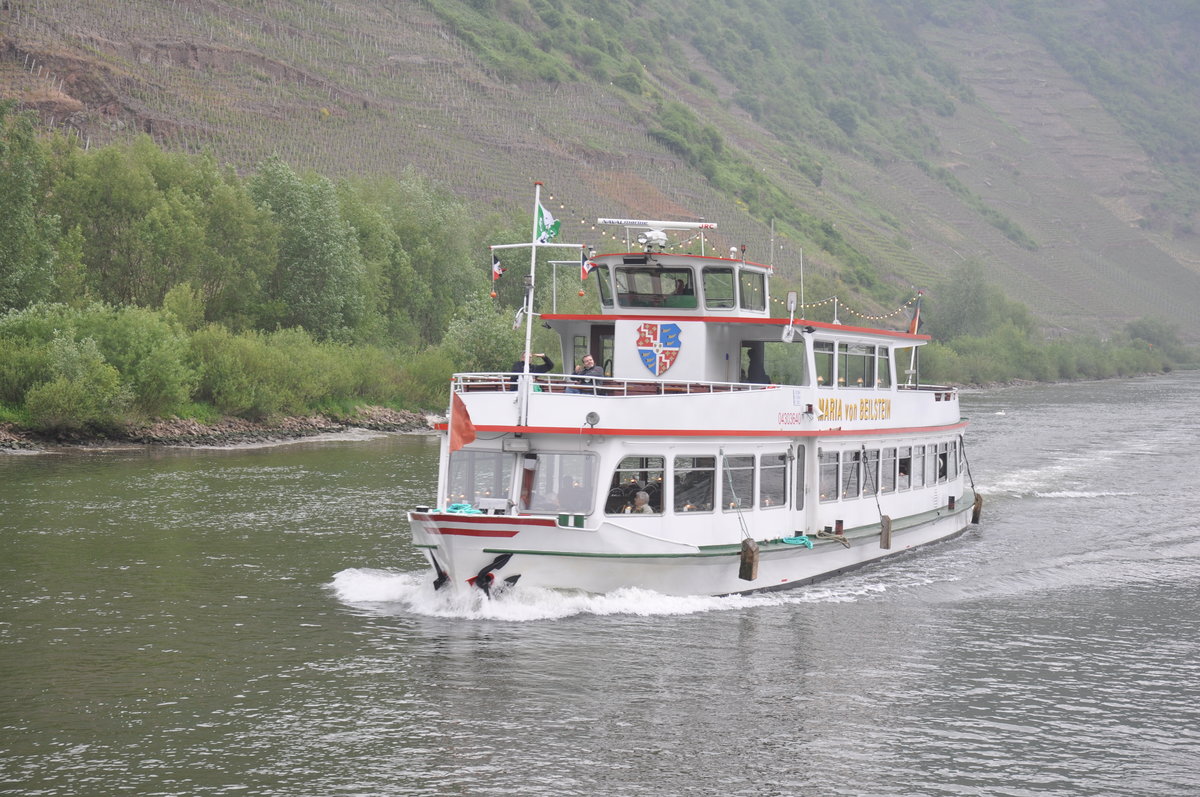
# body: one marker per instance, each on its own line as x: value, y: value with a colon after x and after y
x: 547, y: 227
x: 585, y: 265
x: 497, y: 269
x: 915, y: 325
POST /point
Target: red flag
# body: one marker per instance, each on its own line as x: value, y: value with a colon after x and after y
x: 585, y: 266
x: 462, y: 431
x: 497, y: 269
x: 915, y: 325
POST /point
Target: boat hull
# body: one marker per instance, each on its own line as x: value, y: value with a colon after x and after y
x: 480, y: 551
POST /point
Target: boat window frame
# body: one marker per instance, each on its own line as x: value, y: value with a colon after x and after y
x: 752, y: 290
x: 851, y: 482
x: 637, y: 294
x: 870, y: 472
x: 469, y: 459
x: 618, y: 482
x: 829, y: 475
x: 904, y: 468
x: 733, y: 479
x: 714, y: 299
x: 776, y: 498
x: 604, y: 283
x: 679, y: 494
x: 528, y: 486
x: 888, y: 466
x: 824, y: 353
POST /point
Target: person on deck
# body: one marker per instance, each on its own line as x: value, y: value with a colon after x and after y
x: 519, y: 367
x: 585, y: 375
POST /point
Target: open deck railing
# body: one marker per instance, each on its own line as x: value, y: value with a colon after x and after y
x: 597, y: 385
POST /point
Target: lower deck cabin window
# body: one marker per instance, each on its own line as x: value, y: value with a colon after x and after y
x: 476, y: 475
x: 829, y: 474
x: 851, y: 474
x: 871, y: 472
x: 904, y: 467
x: 887, y: 471
x: 737, y: 487
x: 693, y: 484
x: 772, y: 481
x: 557, y: 482
x: 633, y: 477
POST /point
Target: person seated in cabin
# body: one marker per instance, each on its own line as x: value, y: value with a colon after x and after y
x: 519, y: 367
x: 641, y: 504
x: 585, y: 375
x: 681, y: 295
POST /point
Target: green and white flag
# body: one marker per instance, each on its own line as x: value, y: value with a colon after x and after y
x: 547, y: 227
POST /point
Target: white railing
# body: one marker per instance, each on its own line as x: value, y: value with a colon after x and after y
x: 595, y: 385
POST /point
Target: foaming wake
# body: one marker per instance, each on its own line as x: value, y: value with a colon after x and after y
x: 390, y: 592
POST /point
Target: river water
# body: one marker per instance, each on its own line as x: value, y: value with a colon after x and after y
x: 254, y: 621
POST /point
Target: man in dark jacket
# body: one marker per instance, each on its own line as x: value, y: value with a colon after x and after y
x: 519, y: 368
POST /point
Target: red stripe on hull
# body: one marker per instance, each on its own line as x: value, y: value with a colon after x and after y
x: 454, y: 524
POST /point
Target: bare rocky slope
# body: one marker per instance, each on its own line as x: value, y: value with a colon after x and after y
x: 361, y: 88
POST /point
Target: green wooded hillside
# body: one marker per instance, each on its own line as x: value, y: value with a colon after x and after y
x: 889, y: 141
x: 265, y: 165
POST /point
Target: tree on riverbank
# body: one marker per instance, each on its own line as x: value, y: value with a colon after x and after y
x: 137, y: 284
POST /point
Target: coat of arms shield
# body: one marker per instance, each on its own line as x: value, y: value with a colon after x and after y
x: 658, y: 345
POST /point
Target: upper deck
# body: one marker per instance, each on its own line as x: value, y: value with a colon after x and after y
x: 687, y: 341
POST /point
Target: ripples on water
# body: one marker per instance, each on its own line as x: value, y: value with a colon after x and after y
x: 255, y: 622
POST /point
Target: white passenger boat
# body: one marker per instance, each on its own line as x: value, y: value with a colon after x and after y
x: 723, y: 451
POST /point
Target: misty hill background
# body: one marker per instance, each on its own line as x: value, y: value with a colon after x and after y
x: 889, y: 141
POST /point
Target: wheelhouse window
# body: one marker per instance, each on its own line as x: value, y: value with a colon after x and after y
x: 557, y: 482
x: 823, y: 362
x: 753, y: 286
x: 643, y: 286
x: 718, y: 288
x: 633, y: 475
x: 476, y: 475
x: 772, y: 481
x: 828, y: 464
x: 694, y: 482
x: 738, y: 484
x: 606, y: 297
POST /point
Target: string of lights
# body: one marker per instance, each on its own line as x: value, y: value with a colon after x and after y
x: 843, y: 308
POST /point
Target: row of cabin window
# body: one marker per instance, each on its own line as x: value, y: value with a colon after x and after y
x: 648, y: 286
x: 700, y: 483
x: 855, y: 473
x: 857, y: 364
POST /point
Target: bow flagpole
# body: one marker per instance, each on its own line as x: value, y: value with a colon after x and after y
x: 545, y: 229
